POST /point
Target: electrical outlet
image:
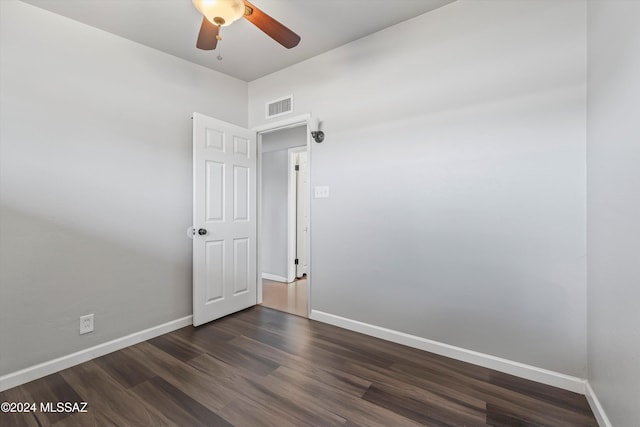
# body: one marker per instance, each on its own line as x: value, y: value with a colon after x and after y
x: 86, y: 324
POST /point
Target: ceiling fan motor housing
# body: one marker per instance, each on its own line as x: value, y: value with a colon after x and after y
x: 220, y: 12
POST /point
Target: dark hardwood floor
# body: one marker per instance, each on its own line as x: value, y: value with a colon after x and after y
x: 262, y: 367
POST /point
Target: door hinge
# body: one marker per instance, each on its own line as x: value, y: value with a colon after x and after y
x: 296, y: 261
x: 297, y: 167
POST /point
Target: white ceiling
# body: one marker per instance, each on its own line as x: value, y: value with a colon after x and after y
x: 172, y: 26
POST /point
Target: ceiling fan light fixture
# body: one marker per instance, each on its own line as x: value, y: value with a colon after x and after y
x: 220, y: 13
x: 228, y: 10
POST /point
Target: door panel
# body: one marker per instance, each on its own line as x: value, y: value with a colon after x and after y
x: 241, y: 193
x: 214, y: 191
x: 241, y: 267
x: 224, y: 213
x: 214, y: 253
x: 241, y: 146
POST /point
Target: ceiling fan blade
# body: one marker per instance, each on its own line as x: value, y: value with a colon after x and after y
x: 208, y: 36
x: 270, y: 26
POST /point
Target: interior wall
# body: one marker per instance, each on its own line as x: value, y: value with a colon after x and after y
x: 455, y: 157
x: 613, y: 156
x: 274, y: 240
x: 275, y: 197
x: 95, y: 182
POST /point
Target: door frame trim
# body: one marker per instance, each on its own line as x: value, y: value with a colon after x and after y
x: 292, y: 220
x: 290, y: 122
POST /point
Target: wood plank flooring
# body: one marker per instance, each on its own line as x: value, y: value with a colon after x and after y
x: 262, y: 367
x: 288, y: 297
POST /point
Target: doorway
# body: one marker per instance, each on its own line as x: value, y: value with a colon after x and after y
x: 284, y: 219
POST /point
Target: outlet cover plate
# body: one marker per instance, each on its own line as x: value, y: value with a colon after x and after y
x: 86, y: 324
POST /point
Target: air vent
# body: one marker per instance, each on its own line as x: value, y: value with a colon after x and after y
x: 280, y: 107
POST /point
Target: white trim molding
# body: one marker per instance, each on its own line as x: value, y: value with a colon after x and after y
x: 596, y: 406
x: 283, y: 124
x: 31, y: 373
x: 274, y: 277
x: 507, y: 366
x: 292, y: 219
x: 291, y: 122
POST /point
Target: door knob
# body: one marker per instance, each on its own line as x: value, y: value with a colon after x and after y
x: 202, y: 231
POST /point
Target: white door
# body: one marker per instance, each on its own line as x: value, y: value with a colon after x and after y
x: 224, y: 218
x: 302, y: 216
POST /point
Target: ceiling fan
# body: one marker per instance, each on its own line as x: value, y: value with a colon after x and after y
x: 220, y: 13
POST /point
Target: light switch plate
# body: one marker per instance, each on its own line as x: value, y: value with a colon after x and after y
x: 321, y: 192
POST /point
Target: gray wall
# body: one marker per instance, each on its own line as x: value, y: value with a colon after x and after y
x: 455, y: 154
x: 275, y: 165
x: 613, y: 165
x: 95, y: 182
x: 274, y: 213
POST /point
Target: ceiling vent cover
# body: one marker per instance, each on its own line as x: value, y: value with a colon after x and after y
x: 280, y: 107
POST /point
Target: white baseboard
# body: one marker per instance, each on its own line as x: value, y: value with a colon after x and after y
x: 43, y: 369
x: 274, y: 277
x: 522, y: 370
x: 596, y: 407
x: 507, y: 366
